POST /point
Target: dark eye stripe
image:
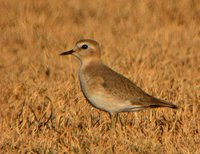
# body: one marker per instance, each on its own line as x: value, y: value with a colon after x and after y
x: 84, y: 46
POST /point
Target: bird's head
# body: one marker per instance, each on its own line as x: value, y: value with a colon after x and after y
x: 84, y: 50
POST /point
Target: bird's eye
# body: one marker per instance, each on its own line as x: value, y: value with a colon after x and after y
x: 84, y: 46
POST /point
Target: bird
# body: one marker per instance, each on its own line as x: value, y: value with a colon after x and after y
x: 106, y: 89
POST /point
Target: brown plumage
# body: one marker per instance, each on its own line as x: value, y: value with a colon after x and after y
x: 104, y: 79
x: 106, y: 89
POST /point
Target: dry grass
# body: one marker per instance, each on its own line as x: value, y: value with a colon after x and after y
x: 154, y: 43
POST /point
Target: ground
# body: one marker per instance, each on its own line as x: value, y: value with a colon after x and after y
x: 156, y: 44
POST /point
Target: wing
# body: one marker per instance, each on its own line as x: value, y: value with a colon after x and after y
x: 120, y: 86
x: 123, y: 88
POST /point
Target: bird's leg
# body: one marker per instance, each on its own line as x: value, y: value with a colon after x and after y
x: 120, y: 120
x: 113, y: 118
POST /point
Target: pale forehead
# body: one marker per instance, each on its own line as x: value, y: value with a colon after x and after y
x: 88, y: 42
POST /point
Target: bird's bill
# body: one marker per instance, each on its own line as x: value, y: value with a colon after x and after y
x: 67, y: 52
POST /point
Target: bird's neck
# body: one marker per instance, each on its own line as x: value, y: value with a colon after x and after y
x: 90, y: 62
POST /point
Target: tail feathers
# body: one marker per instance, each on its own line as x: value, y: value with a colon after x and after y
x: 151, y: 102
x: 161, y: 103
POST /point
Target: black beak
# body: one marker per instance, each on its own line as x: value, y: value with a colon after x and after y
x: 66, y: 52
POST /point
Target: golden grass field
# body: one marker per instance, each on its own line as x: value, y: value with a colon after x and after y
x: 155, y: 43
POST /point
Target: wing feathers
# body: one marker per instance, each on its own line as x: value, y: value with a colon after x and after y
x: 152, y: 103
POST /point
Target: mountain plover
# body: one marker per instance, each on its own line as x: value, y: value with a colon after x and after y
x: 106, y: 89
